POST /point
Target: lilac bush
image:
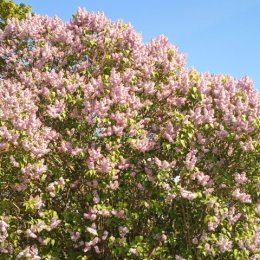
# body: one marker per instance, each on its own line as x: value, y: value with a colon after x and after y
x: 111, y: 149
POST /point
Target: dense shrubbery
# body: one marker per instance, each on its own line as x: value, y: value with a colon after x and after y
x: 111, y: 149
x: 8, y: 10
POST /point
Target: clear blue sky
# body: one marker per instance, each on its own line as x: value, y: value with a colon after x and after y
x: 220, y: 36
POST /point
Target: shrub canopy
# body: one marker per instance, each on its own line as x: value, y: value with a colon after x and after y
x: 8, y: 10
x: 111, y: 149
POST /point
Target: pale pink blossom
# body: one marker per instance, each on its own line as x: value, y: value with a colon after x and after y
x: 224, y: 244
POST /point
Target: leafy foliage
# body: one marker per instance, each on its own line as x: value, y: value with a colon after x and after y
x: 8, y: 10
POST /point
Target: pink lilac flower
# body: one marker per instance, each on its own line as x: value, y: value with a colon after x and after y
x: 240, y: 178
x: 91, y: 215
x: 54, y: 223
x: 191, y: 159
x: 224, y: 244
x: 241, y: 196
x: 75, y: 236
x: 123, y: 231
x: 105, y: 235
x: 133, y: 251
x: 187, y: 194
x: 92, y: 231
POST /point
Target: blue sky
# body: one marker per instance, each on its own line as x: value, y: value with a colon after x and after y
x: 217, y: 36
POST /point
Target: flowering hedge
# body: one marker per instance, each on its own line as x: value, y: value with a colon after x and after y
x: 111, y: 149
